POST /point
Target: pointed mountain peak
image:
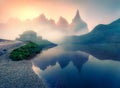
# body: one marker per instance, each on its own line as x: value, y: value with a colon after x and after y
x: 78, y: 25
x: 77, y: 14
x: 77, y: 17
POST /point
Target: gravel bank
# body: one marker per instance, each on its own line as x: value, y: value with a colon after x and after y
x: 18, y: 74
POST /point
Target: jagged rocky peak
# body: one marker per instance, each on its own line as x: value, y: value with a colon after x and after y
x: 77, y: 17
x: 62, y: 22
x: 78, y: 25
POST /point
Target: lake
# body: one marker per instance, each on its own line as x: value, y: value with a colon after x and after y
x: 79, y: 66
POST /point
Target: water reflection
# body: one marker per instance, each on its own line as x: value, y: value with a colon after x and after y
x: 62, y: 57
x: 67, y: 67
x: 101, y: 51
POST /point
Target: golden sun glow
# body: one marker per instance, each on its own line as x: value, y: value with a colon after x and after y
x: 27, y: 13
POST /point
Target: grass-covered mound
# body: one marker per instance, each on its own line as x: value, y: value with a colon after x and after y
x: 25, y: 52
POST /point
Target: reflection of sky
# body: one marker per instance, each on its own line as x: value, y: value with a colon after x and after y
x: 106, y: 65
x: 94, y: 73
x: 109, y: 66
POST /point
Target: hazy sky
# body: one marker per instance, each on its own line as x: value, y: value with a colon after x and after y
x: 92, y: 11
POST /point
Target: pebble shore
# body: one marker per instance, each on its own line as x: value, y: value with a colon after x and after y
x: 17, y: 74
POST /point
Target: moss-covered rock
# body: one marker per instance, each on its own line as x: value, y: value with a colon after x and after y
x: 25, y: 52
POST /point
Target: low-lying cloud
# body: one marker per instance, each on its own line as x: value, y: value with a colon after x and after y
x: 47, y: 28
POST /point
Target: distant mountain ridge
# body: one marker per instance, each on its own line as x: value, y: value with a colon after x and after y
x: 100, y: 34
x: 4, y: 40
x: 43, y: 25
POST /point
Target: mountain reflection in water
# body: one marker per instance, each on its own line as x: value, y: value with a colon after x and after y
x: 63, y: 58
x: 67, y: 67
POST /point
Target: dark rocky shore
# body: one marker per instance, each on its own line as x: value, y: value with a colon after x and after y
x: 18, y: 74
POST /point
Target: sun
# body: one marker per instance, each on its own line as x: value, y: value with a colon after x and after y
x: 27, y: 13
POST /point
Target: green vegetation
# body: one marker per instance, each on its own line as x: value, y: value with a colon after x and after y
x: 25, y: 52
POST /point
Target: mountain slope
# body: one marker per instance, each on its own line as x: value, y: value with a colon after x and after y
x: 100, y: 34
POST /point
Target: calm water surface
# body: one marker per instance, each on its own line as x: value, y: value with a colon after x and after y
x: 62, y: 67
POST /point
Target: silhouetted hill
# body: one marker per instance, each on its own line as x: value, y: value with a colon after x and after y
x: 100, y: 34
x: 4, y: 40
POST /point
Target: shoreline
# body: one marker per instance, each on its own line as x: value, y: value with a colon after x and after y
x: 18, y: 74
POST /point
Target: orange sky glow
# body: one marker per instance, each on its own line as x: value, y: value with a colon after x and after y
x: 29, y: 9
x: 90, y: 10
